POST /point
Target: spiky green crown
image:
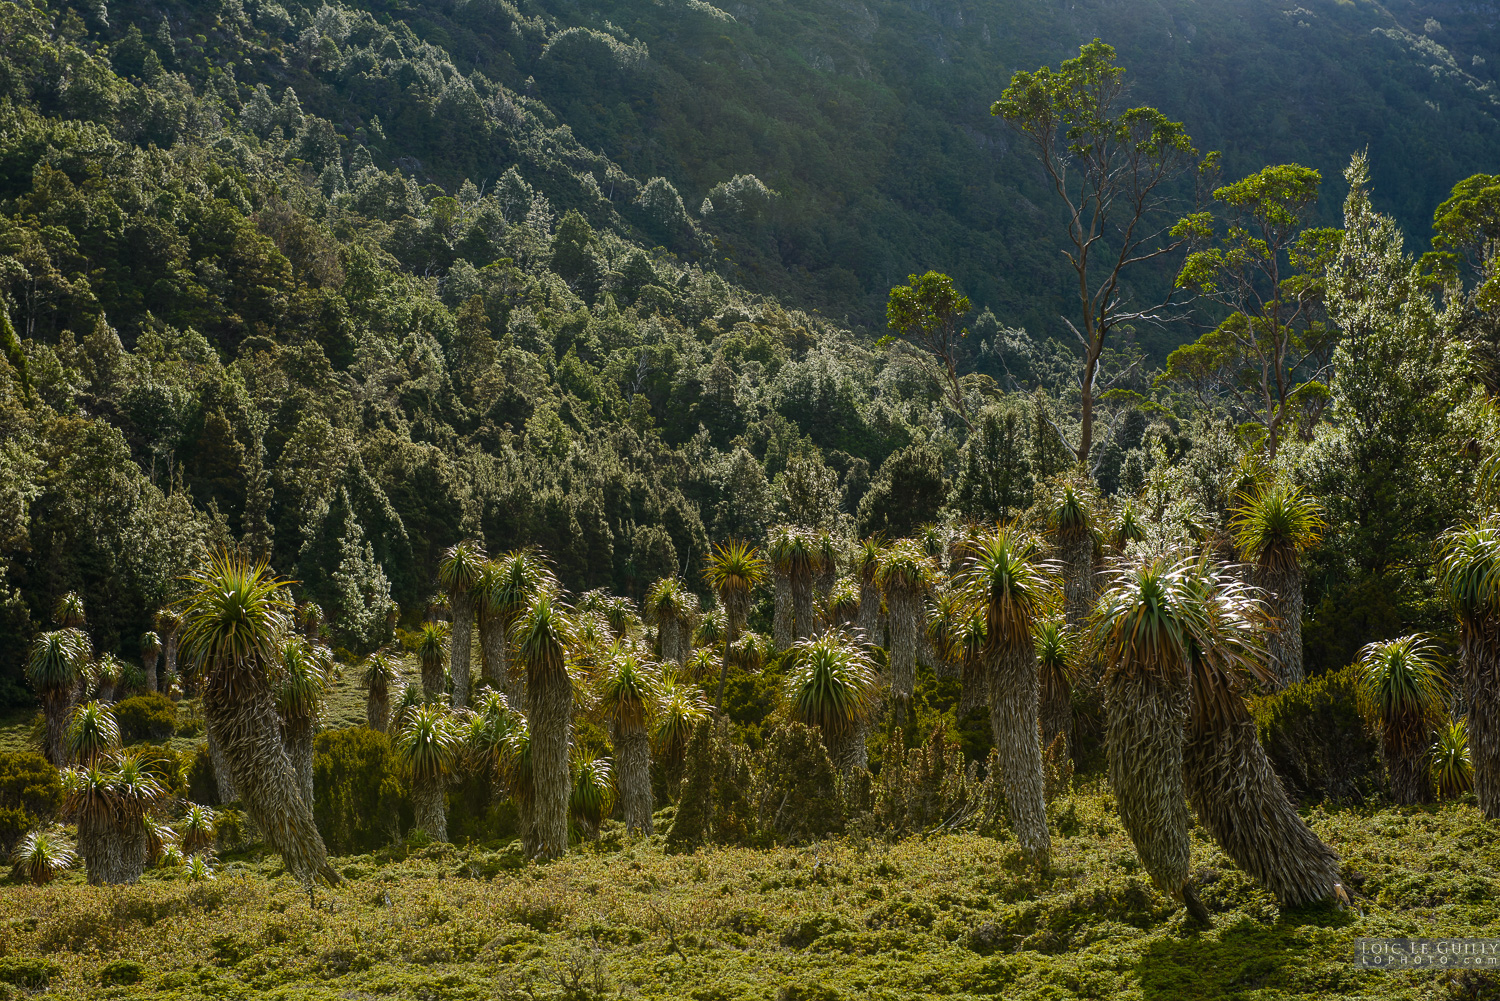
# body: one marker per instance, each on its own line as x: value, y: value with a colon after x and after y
x: 749, y: 651
x: 110, y: 669
x: 304, y: 680
x: 734, y: 567
x: 510, y: 581
x: 1452, y: 762
x: 669, y: 600
x: 831, y: 683
x: 513, y: 762
x: 843, y: 599
x: 593, y: 795
x: 380, y: 670
x: 136, y: 789
x: 428, y: 744
x: 794, y: 550
x: 542, y: 636
x: 1469, y: 570
x: 150, y: 643
x: 905, y: 566
x: 1126, y: 529
x: 41, y: 856
x: 1006, y: 578
x: 432, y: 645
x: 1403, y: 679
x: 1277, y: 524
x: 680, y: 707
x: 1139, y: 626
x: 92, y: 733
x: 867, y: 558
x: 168, y: 620
x: 461, y: 567
x: 57, y: 660
x: 233, y: 621
x: 628, y: 687
x: 1069, y: 516
x: 68, y: 611
x: 1056, y: 648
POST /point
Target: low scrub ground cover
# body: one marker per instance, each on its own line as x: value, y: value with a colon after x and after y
x: 951, y: 915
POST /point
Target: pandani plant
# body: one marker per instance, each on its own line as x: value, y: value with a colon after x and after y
x: 300, y: 698
x: 41, y: 857
x: 733, y: 571
x: 459, y: 572
x: 627, y: 694
x: 1057, y: 669
x: 680, y: 708
x: 1012, y: 586
x: 1452, y: 767
x: 541, y: 638
x: 1274, y: 527
x: 512, y: 580
x: 55, y: 665
x: 1071, y: 528
x: 671, y: 607
x: 150, y: 655
x: 1469, y: 574
x: 1230, y: 781
x: 234, y: 622
x: 831, y: 685
x: 593, y: 795
x: 1403, y: 695
x: 432, y: 657
x: 379, y: 673
x: 428, y: 747
x: 795, y: 558
x: 866, y: 573
x: 905, y: 574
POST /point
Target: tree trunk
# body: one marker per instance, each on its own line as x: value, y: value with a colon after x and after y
x: 149, y: 663
x: 550, y: 713
x: 975, y: 693
x: 1284, y: 643
x: 57, y: 705
x: 781, y: 623
x: 297, y: 735
x: 458, y: 653
x: 1144, y: 735
x: 868, y: 620
x: 1013, y: 714
x: 429, y: 809
x: 1057, y: 709
x: 114, y: 853
x: 1481, y: 686
x: 494, y: 664
x: 432, y: 681
x: 804, y: 620
x: 378, y: 708
x: 633, y: 771
x: 905, y: 608
x: 169, y: 658
x: 223, y: 776
x: 846, y: 747
x: 1240, y: 799
x: 1404, y: 750
x: 250, y: 732
x: 1077, y: 551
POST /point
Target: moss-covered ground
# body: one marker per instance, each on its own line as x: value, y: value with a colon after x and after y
x: 951, y: 916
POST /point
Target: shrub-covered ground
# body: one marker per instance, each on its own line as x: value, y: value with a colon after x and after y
x: 953, y: 915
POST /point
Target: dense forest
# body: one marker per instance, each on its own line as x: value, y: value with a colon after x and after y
x: 615, y: 437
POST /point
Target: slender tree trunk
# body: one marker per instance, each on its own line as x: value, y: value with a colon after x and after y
x: 297, y: 735
x: 458, y: 654
x: 868, y: 620
x: 1076, y: 549
x: 430, y: 809
x: 550, y: 712
x: 1057, y: 709
x: 57, y: 705
x: 1145, y: 737
x: 781, y: 623
x: 1284, y: 643
x: 378, y: 708
x: 1408, y: 764
x: 804, y: 621
x: 905, y: 605
x: 1013, y: 713
x: 1240, y: 799
x: 1481, y: 686
x: 223, y: 776
x: 169, y: 658
x: 432, y: 681
x: 633, y: 769
x: 250, y: 732
x: 149, y: 663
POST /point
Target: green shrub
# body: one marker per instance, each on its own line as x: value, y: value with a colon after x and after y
x: 1317, y: 740
x: 32, y: 974
x: 801, y: 801
x: 359, y: 798
x: 122, y: 972
x: 203, y: 787
x: 30, y: 794
x: 152, y: 716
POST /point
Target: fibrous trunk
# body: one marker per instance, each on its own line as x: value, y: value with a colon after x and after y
x: 1013, y: 713
x: 846, y: 747
x: 633, y: 771
x: 297, y: 735
x: 1076, y: 549
x: 904, y: 605
x: 114, y: 852
x: 868, y: 620
x: 495, y: 654
x: 781, y: 623
x: 429, y: 810
x: 1481, y: 687
x: 223, y: 776
x: 1404, y: 751
x: 975, y: 692
x: 169, y: 657
x: 1056, y: 708
x: 57, y: 703
x: 378, y: 708
x: 549, y: 697
x: 249, y: 731
x: 458, y: 654
x: 1144, y: 735
x: 1240, y: 799
x: 1283, y: 588
x: 150, y: 664
x: 804, y: 621
x: 432, y: 680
